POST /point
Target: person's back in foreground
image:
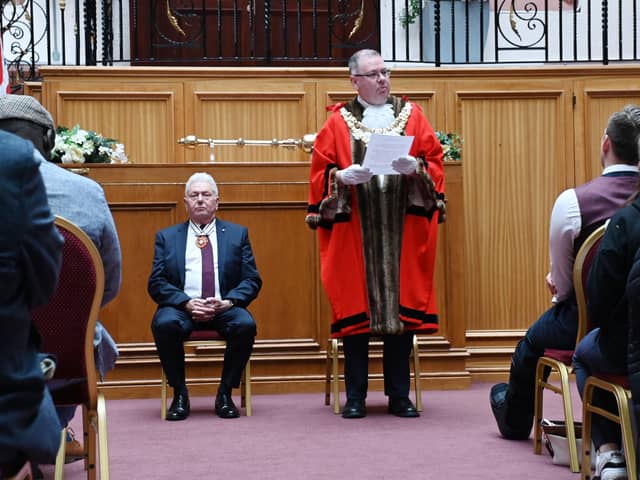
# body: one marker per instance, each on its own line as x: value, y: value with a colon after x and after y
x: 30, y: 256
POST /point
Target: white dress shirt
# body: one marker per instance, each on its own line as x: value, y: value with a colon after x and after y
x: 193, y: 259
x: 564, y: 228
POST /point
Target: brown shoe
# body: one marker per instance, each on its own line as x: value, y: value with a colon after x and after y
x: 74, y: 450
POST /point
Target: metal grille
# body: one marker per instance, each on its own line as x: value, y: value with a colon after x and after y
x: 315, y: 32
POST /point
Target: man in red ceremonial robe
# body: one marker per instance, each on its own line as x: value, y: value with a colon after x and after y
x: 377, y: 232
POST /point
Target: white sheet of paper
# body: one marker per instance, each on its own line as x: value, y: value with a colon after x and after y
x: 382, y: 150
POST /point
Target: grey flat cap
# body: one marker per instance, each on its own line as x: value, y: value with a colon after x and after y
x: 25, y: 107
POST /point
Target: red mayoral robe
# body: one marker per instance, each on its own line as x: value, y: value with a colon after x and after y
x: 346, y: 265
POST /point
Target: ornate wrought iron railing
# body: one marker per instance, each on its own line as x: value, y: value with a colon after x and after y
x: 315, y: 32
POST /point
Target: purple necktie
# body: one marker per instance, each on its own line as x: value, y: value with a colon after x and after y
x: 208, y: 277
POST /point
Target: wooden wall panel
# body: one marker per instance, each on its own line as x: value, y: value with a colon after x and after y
x: 144, y: 118
x: 284, y: 249
x: 596, y: 100
x: 241, y: 110
x: 451, y: 260
x: 528, y: 134
x: 509, y: 191
x: 128, y: 316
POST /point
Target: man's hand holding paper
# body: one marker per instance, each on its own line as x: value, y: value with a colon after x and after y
x: 382, y: 150
x: 406, y: 165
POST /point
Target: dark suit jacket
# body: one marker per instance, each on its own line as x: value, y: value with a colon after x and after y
x: 633, y: 294
x: 237, y: 272
x: 30, y: 255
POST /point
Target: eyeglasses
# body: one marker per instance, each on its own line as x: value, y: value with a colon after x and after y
x: 385, y: 72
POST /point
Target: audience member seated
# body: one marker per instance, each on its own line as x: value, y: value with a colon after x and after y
x: 30, y: 256
x: 204, y: 276
x: 633, y: 355
x: 577, y: 212
x: 81, y: 201
x: 604, y: 349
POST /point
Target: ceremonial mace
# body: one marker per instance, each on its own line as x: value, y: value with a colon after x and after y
x: 305, y: 143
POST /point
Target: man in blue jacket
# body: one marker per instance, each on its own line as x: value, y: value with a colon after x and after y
x: 30, y: 256
x: 204, y: 276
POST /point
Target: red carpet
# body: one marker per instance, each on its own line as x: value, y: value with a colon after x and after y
x: 298, y: 437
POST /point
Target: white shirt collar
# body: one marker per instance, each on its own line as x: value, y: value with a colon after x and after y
x: 208, y: 228
x: 620, y: 167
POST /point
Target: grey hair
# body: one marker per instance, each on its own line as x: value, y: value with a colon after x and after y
x: 355, y: 58
x: 200, y: 177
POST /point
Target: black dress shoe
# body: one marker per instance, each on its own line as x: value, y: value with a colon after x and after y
x: 498, y: 400
x: 180, y: 408
x: 402, y: 407
x: 225, y: 408
x: 354, y: 409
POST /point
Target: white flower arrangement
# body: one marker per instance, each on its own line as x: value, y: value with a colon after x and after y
x: 77, y: 145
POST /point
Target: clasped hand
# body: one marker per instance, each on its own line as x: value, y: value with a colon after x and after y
x: 205, y: 309
x: 405, y: 165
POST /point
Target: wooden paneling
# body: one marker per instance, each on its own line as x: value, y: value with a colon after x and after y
x: 528, y: 134
x: 254, y: 111
x: 132, y: 308
x: 147, y: 119
x: 596, y: 99
x: 509, y: 192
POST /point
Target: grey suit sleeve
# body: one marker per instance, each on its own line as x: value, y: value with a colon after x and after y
x: 110, y: 253
x: 41, y: 250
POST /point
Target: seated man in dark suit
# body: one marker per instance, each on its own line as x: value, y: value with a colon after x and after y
x: 204, y: 276
x: 30, y: 256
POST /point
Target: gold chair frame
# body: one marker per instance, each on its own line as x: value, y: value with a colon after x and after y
x: 94, y: 414
x: 623, y: 398
x: 564, y: 371
x: 245, y: 381
x: 332, y: 378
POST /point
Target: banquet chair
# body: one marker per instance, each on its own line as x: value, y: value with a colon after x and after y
x: 332, y: 377
x: 206, y: 339
x: 560, y: 361
x: 66, y: 325
x: 618, y: 386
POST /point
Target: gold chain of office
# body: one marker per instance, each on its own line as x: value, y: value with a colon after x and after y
x: 363, y: 133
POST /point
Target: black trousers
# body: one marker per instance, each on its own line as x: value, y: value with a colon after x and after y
x: 171, y: 326
x: 556, y: 328
x: 395, y: 364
